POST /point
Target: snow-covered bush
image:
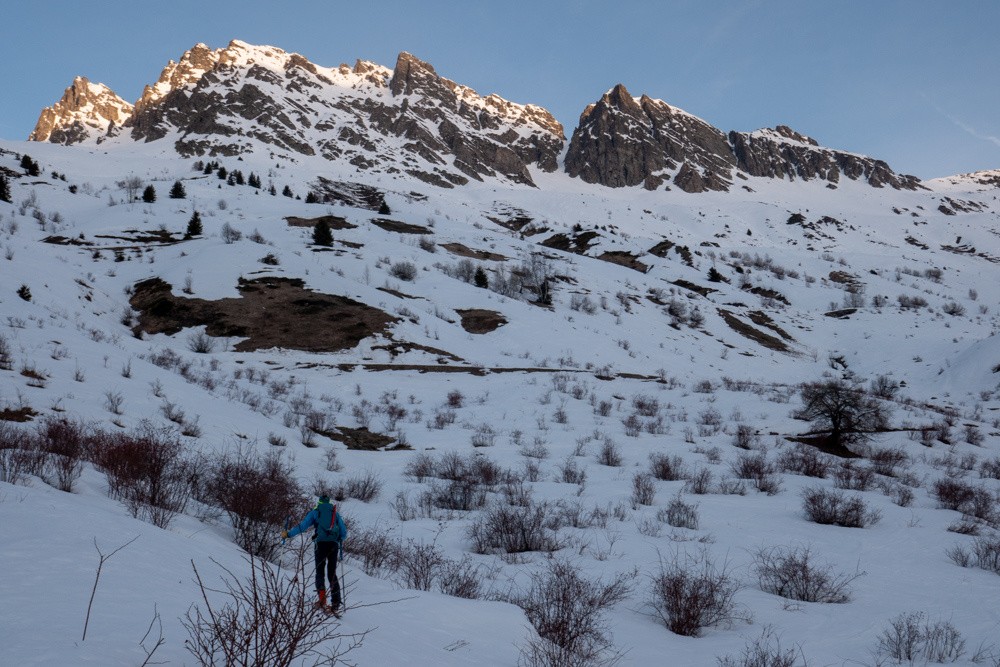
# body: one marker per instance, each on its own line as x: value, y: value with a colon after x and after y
x: 791, y: 572
x: 690, y: 593
x: 832, y: 507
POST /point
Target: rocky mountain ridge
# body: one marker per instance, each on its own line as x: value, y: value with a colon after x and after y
x: 409, y: 119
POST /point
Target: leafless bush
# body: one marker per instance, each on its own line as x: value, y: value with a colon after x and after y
x: 849, y: 475
x: 680, y: 514
x: 900, y: 494
x: 464, y: 579
x: 804, y: 460
x: 484, y: 436
x: 258, y: 492
x: 700, y: 482
x: 63, y: 442
x: 19, y: 456
x: 746, y: 437
x: 888, y: 461
x: 264, y: 619
x: 633, y: 425
x: 570, y: 472
x: 667, y: 468
x: 791, y: 572
x: 973, y: 500
x: 990, y: 469
x: 365, y: 486
x: 909, y: 638
x: 201, y: 343
x: 643, y: 489
x: 418, y: 564
x: 373, y: 547
x: 833, y: 507
x: 403, y: 270
x: 510, y: 530
x: 147, y: 470
x: 690, y: 593
x: 230, y: 234
x: 987, y: 552
x: 610, y: 454
x: 884, y: 387
x: 567, y: 610
x: 765, y: 651
x: 755, y: 467
x: 646, y: 406
x: 455, y: 399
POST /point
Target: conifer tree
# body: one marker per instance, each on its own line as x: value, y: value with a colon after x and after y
x: 312, y: 198
x: 321, y: 234
x: 384, y: 209
x: 480, y: 278
x: 222, y: 173
x: 4, y: 188
x: 194, y: 225
x: 287, y: 192
x: 149, y: 194
x: 177, y: 191
x: 239, y: 177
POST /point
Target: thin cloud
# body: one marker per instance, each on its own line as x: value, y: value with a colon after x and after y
x: 962, y: 125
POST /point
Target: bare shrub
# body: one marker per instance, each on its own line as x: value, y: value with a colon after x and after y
x: 849, y: 475
x: 201, y: 343
x: 418, y: 564
x: 765, y: 651
x: 700, y: 482
x: 258, y: 492
x: 373, y: 547
x: 973, y: 500
x: 19, y: 456
x: 463, y: 579
x: 646, y: 406
x: 755, y: 467
x: 230, y: 234
x: 643, y: 489
x: 507, y: 529
x: 680, y: 514
x: 570, y: 472
x: 610, y: 454
x: 263, y: 618
x: 455, y: 399
x: 403, y: 270
x: 830, y: 507
x: 420, y: 467
x: 365, y: 486
x: 147, y: 470
x: 746, y: 437
x: 690, y: 593
x: 986, y: 549
x: 804, y: 460
x: 791, y: 572
x: 63, y: 441
x: 568, y: 611
x: 888, y: 461
x: 484, y: 436
x: 909, y: 638
x: 667, y: 468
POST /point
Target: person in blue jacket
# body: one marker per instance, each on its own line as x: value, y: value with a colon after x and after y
x: 328, y: 539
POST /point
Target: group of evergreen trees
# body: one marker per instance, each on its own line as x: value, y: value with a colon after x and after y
x: 234, y: 177
x: 4, y: 188
x: 30, y: 166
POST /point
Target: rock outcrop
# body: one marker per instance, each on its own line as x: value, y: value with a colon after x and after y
x: 625, y: 141
x: 86, y: 111
x: 245, y: 98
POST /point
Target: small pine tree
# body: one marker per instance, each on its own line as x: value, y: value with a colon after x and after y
x: 254, y: 180
x: 480, y: 278
x: 239, y: 177
x: 273, y: 192
x: 716, y: 277
x: 232, y: 179
x: 322, y: 235
x: 222, y: 173
x: 208, y: 169
x: 24, y: 292
x: 384, y: 209
x: 149, y: 194
x: 177, y: 191
x: 194, y: 225
x: 312, y: 198
x: 287, y: 192
x: 4, y: 188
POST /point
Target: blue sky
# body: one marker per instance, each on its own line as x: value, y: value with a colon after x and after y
x: 912, y: 82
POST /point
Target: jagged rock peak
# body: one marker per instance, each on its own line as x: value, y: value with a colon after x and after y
x: 625, y: 141
x: 85, y: 110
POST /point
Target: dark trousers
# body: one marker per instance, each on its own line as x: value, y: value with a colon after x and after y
x: 326, y: 560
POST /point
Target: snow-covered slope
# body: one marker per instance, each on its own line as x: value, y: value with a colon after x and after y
x: 613, y: 321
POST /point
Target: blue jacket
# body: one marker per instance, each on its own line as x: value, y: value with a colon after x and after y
x: 312, y: 521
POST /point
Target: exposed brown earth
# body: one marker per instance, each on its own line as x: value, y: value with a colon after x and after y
x: 479, y: 321
x: 756, y: 335
x: 400, y: 227
x: 626, y: 259
x: 465, y: 251
x: 271, y: 312
x: 334, y: 222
